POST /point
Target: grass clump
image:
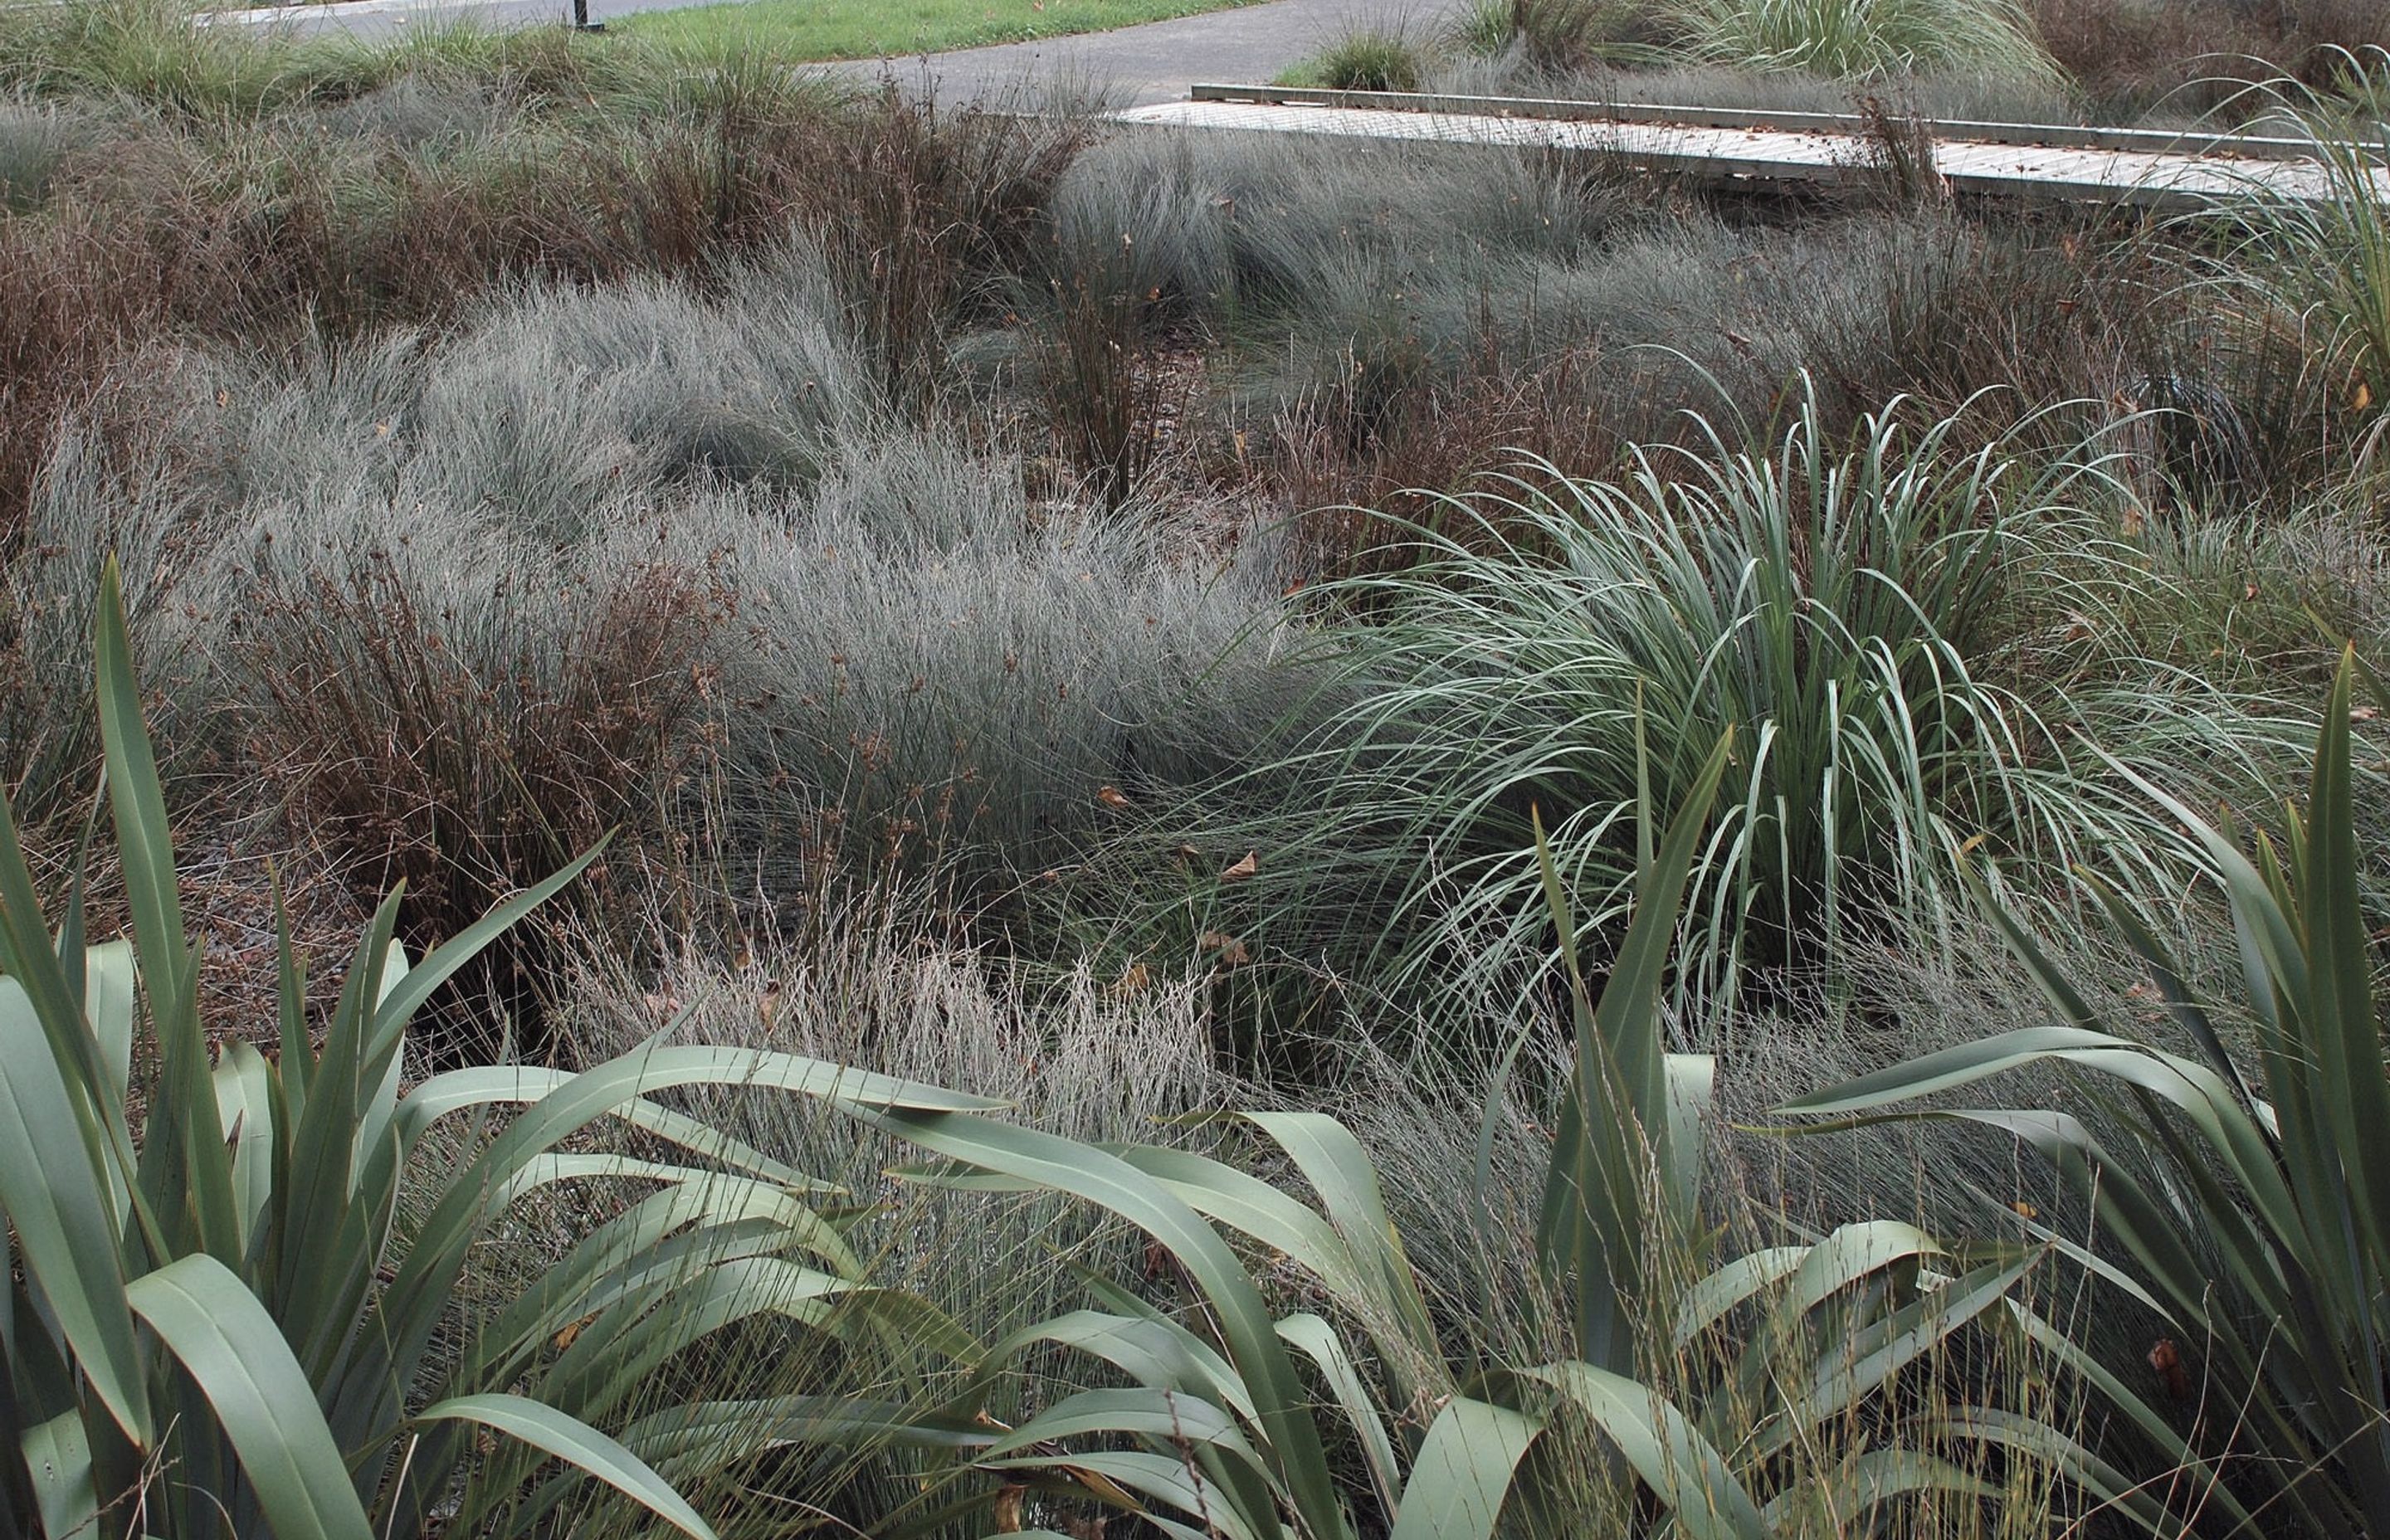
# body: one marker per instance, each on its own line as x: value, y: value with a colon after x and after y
x: 36, y: 139
x: 1562, y: 36
x: 2326, y: 259
x: 603, y: 559
x: 1363, y: 60
x: 1862, y: 39
x: 1867, y: 615
x: 299, y: 1360
x: 2182, y: 58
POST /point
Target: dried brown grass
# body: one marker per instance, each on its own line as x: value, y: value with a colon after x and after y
x: 468, y: 766
x: 2192, y: 55
x: 167, y: 233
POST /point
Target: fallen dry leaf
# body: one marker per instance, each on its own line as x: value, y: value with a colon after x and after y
x: 1243, y: 869
x: 1230, y: 949
x: 1112, y: 797
x: 2166, y: 1359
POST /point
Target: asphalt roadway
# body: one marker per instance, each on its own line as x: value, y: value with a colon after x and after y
x: 1130, y: 66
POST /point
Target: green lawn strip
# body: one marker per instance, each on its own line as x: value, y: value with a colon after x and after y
x: 874, y: 28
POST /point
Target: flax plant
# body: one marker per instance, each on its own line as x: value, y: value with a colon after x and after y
x: 215, y: 1321
x: 1224, y: 1425
x: 2245, y: 1199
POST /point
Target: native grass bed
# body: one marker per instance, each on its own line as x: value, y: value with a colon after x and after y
x: 744, y: 808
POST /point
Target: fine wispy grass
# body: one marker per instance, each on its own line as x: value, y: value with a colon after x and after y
x: 1363, y: 59
x: 869, y: 982
x: 639, y: 555
x: 36, y: 139
x: 2163, y: 62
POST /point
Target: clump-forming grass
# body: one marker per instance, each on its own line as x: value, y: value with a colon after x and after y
x: 1858, y: 39
x: 84, y: 508
x: 36, y: 139
x: 1357, y: 289
x: 940, y: 668
x: 2325, y: 259
x: 698, y: 548
x: 1366, y: 59
x: 1898, y: 631
x: 447, y: 166
x: 2184, y: 58
x: 1227, y: 226
x: 1639, y: 50
x: 1097, y: 1063
x: 636, y: 556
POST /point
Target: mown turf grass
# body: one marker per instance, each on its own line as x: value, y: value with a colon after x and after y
x: 880, y: 28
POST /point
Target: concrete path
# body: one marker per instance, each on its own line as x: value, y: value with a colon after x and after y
x: 1157, y: 61
x: 1132, y: 66
x: 371, y: 18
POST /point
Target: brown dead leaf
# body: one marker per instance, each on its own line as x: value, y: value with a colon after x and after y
x: 2166, y: 1359
x: 1243, y: 869
x: 1230, y: 949
x: 1112, y: 797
